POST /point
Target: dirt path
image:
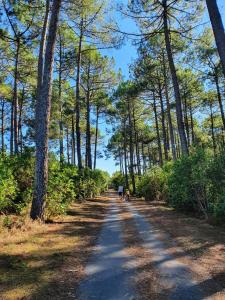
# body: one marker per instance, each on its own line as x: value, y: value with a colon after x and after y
x: 112, y: 269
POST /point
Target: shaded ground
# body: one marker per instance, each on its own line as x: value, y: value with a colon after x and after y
x: 192, y: 242
x: 143, y: 251
x: 46, y: 261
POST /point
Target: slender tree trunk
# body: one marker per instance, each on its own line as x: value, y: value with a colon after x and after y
x: 3, y: 127
x: 131, y: 146
x: 186, y: 122
x: 88, y: 126
x: 172, y: 140
x: 73, y: 141
x: 78, y: 130
x: 12, y: 130
x: 42, y: 119
x: 20, y: 132
x: 61, y: 146
x: 15, y: 96
x: 136, y: 144
x: 218, y: 29
x: 220, y: 100
x: 125, y: 154
x: 163, y: 122
x: 212, y: 128
x: 157, y: 131
x: 192, y: 123
x: 96, y: 137
x: 179, y: 113
x: 67, y: 144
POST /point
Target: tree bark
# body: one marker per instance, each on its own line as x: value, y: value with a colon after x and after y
x: 61, y: 146
x: 96, y: 137
x: 3, y: 127
x: 131, y: 147
x: 77, y: 108
x: 15, y: 96
x: 212, y: 128
x: 218, y: 29
x: 219, y: 99
x: 125, y: 154
x: 172, y: 140
x: 163, y: 122
x: 42, y: 119
x: 88, y: 126
x: 173, y: 71
x: 20, y: 132
x: 157, y: 131
x: 73, y: 142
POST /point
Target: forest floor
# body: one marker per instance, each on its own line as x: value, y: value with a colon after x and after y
x: 134, y: 251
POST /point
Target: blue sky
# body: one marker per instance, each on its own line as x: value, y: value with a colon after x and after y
x: 123, y: 58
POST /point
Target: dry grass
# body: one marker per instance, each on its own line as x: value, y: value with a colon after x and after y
x: 45, y: 261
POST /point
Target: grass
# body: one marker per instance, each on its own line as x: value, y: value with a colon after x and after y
x: 45, y: 261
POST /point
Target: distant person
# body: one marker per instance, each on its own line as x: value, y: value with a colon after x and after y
x: 120, y: 191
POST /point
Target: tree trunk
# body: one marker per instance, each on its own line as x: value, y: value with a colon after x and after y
x: 192, y: 124
x: 12, y: 129
x: 20, y: 132
x: 15, y: 96
x: 220, y: 100
x: 42, y: 119
x: 172, y: 140
x: 136, y: 144
x: 131, y: 146
x: 212, y: 128
x: 3, y: 127
x: 77, y: 108
x: 88, y: 126
x: 67, y: 144
x: 125, y: 154
x: 157, y: 131
x: 73, y: 142
x: 186, y: 122
x: 173, y: 71
x: 163, y: 122
x: 218, y: 29
x: 61, y: 146
x: 96, y: 137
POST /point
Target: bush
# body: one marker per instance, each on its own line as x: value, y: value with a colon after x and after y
x: 61, y: 189
x: 153, y: 185
x: 188, y: 183
x: 65, y: 184
x: 90, y: 183
x: 8, y: 186
x: 117, y: 179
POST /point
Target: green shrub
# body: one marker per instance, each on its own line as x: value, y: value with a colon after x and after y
x: 8, y: 187
x: 153, y: 185
x: 61, y: 189
x: 117, y: 179
x: 188, y: 183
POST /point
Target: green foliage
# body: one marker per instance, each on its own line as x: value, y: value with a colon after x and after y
x: 61, y: 189
x: 65, y: 184
x: 8, y: 186
x: 90, y: 183
x: 194, y: 183
x: 117, y: 179
x: 153, y: 185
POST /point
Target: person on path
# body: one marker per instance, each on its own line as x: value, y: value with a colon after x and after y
x: 120, y: 191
